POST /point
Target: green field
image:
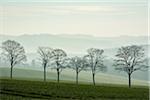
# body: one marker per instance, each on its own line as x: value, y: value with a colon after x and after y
x: 38, y: 90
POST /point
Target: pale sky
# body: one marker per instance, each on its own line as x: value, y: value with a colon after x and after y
x: 98, y: 18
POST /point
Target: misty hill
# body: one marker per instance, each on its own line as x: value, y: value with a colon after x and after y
x: 140, y: 75
x: 74, y: 44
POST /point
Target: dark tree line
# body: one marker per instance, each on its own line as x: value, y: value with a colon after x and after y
x: 128, y: 59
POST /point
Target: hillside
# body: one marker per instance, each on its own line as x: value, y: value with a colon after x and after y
x: 68, y: 75
x: 76, y: 45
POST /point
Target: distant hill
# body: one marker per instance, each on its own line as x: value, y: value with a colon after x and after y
x: 74, y: 44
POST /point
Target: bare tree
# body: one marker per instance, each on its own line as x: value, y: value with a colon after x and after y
x: 45, y: 55
x: 59, y: 58
x: 95, y: 61
x: 78, y: 64
x: 130, y: 59
x: 33, y: 63
x: 13, y: 52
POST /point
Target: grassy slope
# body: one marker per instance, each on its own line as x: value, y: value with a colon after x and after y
x: 68, y: 75
x: 25, y: 90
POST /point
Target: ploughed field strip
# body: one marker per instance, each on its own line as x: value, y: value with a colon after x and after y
x: 28, y: 90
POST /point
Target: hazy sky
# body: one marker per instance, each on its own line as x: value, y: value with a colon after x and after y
x: 89, y: 17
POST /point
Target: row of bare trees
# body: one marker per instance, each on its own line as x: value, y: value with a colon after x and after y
x: 57, y: 59
x: 128, y: 59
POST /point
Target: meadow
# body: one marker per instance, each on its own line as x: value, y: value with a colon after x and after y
x: 38, y: 90
x: 28, y: 85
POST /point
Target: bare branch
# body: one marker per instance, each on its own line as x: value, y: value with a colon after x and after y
x: 95, y: 58
x: 130, y: 59
x: 59, y: 59
x: 13, y: 52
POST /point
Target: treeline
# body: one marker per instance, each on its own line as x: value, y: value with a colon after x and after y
x: 128, y: 59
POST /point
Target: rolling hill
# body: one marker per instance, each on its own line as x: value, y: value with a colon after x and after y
x: 68, y: 75
x: 75, y: 45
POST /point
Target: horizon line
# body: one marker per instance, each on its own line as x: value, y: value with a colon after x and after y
x: 74, y: 35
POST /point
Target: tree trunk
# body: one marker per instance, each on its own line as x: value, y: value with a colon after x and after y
x: 94, y: 79
x: 58, y: 75
x: 129, y: 80
x: 11, y: 69
x: 44, y: 73
x: 77, y: 78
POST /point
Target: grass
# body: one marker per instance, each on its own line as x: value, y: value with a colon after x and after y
x: 38, y: 90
